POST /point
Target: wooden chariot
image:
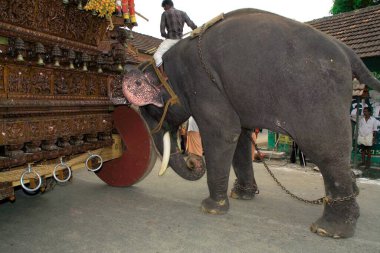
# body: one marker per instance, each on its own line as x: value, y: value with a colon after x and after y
x: 61, y: 106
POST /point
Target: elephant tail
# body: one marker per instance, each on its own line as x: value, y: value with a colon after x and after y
x: 360, y: 71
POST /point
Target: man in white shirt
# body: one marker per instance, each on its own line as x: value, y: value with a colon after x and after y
x: 367, y: 134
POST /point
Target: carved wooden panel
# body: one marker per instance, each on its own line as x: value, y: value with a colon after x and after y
x: 53, y: 17
x: 36, y: 130
x: 116, y: 92
x: 32, y: 81
x: 65, y: 127
x: 17, y: 79
x: 62, y: 83
x: 40, y: 81
x: 92, y: 85
x: 2, y: 87
x: 45, y: 83
x: 78, y: 85
x: 50, y: 128
x: 12, y: 131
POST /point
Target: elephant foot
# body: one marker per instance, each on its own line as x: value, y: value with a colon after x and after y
x: 244, y: 192
x: 215, y: 207
x: 338, y: 221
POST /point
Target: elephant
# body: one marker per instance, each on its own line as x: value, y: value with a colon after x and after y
x: 256, y: 69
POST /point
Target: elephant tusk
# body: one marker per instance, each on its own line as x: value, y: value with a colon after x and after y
x: 166, y: 154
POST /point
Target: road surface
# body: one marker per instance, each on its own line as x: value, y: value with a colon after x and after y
x: 162, y: 214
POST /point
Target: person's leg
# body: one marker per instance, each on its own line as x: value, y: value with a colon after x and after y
x: 363, y: 153
x: 132, y: 13
x: 293, y: 155
x: 162, y: 48
x: 125, y: 9
x: 368, y: 153
x: 253, y: 146
x: 302, y: 158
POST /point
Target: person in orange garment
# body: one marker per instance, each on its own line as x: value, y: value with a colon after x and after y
x: 255, y: 156
x: 183, y: 137
x: 194, y: 145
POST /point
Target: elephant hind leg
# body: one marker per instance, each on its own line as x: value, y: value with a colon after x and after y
x: 341, y: 212
x: 338, y: 220
x: 329, y: 146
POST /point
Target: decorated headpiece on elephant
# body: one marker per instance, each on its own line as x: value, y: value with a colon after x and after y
x: 252, y: 70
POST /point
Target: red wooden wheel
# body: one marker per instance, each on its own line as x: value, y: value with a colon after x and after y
x: 138, y: 157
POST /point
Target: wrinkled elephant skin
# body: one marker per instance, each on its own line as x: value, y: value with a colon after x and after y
x: 269, y: 72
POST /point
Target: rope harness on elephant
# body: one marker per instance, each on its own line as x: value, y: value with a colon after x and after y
x: 324, y: 200
x: 171, y: 101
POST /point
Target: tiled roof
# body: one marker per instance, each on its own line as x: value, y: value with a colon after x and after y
x: 132, y: 57
x: 141, y: 47
x: 359, y: 29
x: 144, y: 43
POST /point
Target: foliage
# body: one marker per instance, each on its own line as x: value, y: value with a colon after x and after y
x: 376, y: 74
x: 341, y: 6
x: 103, y: 7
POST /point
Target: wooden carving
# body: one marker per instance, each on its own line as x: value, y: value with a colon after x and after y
x: 37, y: 82
x: 45, y: 128
x: 53, y: 17
x: 55, y: 98
x: 2, y: 88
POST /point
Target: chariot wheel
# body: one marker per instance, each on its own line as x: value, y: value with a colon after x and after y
x: 139, y: 155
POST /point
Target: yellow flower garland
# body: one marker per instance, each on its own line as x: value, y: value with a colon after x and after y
x: 103, y: 7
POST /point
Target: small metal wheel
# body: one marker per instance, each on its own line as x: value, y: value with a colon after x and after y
x: 92, y: 156
x: 64, y: 165
x: 29, y: 170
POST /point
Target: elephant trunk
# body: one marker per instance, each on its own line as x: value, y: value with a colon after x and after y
x: 178, y: 164
x: 177, y: 161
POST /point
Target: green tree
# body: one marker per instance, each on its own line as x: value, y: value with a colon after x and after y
x: 341, y: 6
x: 376, y: 74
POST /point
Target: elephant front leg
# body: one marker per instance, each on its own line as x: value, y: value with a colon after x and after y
x: 219, y: 150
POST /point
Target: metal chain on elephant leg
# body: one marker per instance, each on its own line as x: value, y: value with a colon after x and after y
x: 200, y: 53
x: 250, y: 188
x: 324, y: 200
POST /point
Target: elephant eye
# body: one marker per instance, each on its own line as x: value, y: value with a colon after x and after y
x: 138, y: 82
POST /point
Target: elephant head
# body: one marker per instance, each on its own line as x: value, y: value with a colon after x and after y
x: 141, y: 89
x: 144, y: 90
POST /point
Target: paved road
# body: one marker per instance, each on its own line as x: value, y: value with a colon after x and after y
x: 162, y: 214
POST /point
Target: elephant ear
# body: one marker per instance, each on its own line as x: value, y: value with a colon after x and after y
x: 139, y: 89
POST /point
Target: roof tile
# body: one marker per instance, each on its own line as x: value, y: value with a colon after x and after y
x: 359, y: 29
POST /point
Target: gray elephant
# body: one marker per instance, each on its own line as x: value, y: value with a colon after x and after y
x: 255, y: 69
